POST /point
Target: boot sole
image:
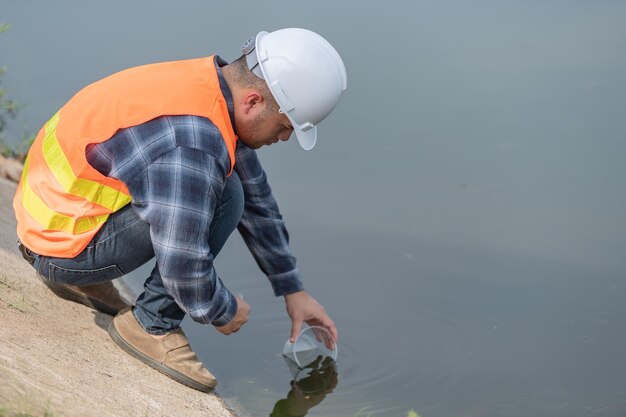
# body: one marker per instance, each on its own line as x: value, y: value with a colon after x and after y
x: 175, y: 375
x: 67, y: 294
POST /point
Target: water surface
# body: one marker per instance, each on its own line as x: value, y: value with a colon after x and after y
x: 461, y: 219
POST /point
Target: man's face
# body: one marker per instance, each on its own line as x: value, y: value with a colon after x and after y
x: 263, y: 127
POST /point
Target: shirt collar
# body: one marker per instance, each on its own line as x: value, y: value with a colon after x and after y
x: 219, y: 63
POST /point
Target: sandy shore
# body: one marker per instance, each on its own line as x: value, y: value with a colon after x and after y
x: 57, y: 358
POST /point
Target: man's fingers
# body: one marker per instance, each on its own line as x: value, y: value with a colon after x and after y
x: 296, y: 325
x: 329, y: 325
x: 241, y: 317
x: 333, y: 331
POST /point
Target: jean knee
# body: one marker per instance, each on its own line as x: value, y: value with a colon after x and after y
x: 233, y: 199
x: 227, y: 213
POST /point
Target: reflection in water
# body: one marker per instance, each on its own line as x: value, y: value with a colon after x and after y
x: 308, y: 388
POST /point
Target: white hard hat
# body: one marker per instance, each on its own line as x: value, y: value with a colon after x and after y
x: 304, y: 73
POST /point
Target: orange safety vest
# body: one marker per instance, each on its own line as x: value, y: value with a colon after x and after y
x: 61, y: 201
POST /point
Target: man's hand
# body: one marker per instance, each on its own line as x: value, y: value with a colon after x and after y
x: 301, y: 307
x: 241, y: 317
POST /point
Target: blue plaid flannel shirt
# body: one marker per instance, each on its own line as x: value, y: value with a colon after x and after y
x: 175, y: 168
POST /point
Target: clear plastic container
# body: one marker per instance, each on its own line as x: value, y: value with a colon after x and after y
x: 313, y: 348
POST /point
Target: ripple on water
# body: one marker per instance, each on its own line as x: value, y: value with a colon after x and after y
x: 389, y: 378
x: 600, y: 317
x: 450, y: 367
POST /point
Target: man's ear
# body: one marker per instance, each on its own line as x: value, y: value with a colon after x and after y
x: 251, y: 102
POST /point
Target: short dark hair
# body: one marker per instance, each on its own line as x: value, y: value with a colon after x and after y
x: 243, y: 77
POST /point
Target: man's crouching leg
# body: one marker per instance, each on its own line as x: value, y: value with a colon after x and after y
x: 151, y: 331
x: 103, y: 297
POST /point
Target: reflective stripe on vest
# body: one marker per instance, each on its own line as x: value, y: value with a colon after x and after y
x: 60, y: 167
x: 51, y: 220
x: 61, y: 201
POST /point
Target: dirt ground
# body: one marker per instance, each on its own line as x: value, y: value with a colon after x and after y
x: 56, y: 357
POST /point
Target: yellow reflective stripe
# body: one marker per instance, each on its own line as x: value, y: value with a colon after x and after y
x: 48, y: 218
x: 60, y: 167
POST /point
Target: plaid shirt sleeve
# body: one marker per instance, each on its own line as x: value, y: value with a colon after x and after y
x: 262, y: 226
x: 176, y: 194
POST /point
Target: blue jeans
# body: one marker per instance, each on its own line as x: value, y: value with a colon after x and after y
x: 123, y: 245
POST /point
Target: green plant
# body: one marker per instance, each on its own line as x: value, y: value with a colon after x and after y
x: 8, y: 110
x: 8, y: 107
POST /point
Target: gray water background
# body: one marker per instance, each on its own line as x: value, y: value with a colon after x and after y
x: 462, y: 217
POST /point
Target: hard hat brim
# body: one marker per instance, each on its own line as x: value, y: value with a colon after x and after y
x: 307, y: 138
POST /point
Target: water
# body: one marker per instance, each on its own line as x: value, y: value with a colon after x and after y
x: 461, y: 219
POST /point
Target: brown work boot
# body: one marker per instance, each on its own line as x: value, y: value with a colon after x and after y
x: 169, y: 354
x: 103, y: 297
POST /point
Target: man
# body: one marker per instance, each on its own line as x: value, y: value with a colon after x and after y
x: 159, y: 161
